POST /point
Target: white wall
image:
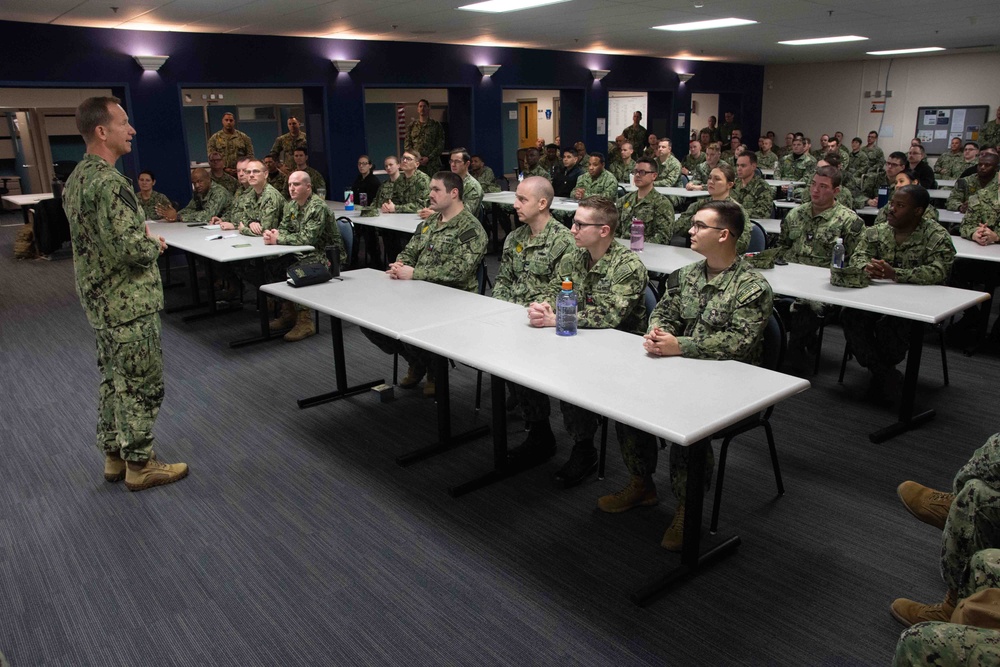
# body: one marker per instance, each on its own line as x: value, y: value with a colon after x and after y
x: 826, y: 97
x: 546, y: 127
x: 706, y: 104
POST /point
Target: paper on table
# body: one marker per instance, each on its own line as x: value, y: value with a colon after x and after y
x: 212, y: 227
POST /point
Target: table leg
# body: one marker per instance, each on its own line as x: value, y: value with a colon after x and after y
x: 195, y: 292
x: 691, y: 558
x: 907, y: 420
x: 340, y: 371
x: 446, y: 441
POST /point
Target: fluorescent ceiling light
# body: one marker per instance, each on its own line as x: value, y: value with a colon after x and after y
x: 498, y: 6
x: 704, y: 25
x: 897, y: 52
x: 824, y: 40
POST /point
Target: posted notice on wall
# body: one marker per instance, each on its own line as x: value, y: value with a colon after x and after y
x: 958, y: 121
x: 602, y: 126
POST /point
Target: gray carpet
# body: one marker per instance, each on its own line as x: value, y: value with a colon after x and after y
x: 297, y: 540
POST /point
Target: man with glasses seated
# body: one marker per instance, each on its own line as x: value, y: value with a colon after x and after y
x: 646, y: 204
x: 258, y: 209
x: 716, y: 308
x: 472, y: 192
x: 895, y: 163
x: 411, y: 190
x: 609, y: 281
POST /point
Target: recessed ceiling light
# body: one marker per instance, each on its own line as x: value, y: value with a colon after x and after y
x: 897, y: 52
x: 498, y: 6
x: 704, y: 25
x: 824, y: 40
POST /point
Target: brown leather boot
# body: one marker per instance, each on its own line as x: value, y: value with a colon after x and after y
x: 285, y: 318
x: 640, y: 492
x: 673, y: 539
x: 303, y: 328
x: 926, y: 504
x: 114, y: 467
x: 147, y: 474
x: 909, y: 612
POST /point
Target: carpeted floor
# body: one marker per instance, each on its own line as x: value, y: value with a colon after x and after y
x: 297, y: 540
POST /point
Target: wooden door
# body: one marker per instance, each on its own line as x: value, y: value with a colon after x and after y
x: 527, y: 123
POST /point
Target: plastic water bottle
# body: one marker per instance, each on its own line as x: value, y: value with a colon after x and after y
x: 638, y: 235
x: 838, y: 254
x: 790, y: 193
x: 520, y: 176
x: 566, y: 310
x: 348, y: 200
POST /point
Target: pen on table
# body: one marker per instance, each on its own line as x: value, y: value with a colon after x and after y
x: 214, y: 238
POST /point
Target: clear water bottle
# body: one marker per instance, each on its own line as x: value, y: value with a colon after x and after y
x: 790, y: 193
x: 566, y: 310
x: 838, y: 254
x: 638, y: 235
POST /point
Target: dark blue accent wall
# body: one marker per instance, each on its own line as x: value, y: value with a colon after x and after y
x: 58, y: 56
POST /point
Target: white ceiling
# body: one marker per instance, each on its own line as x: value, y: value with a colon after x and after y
x: 616, y: 26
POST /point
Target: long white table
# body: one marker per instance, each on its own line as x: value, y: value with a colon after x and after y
x: 194, y: 239
x: 943, y: 214
x: 403, y: 223
x: 25, y: 202
x: 683, y: 193
x: 946, y: 182
x: 507, y: 197
x: 929, y: 304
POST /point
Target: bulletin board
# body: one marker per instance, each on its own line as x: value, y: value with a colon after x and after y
x: 937, y: 125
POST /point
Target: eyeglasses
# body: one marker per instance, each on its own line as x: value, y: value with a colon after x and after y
x: 253, y: 171
x: 364, y: 164
x: 581, y: 225
x: 701, y: 226
x: 893, y: 164
x: 456, y: 161
x: 407, y: 158
x: 641, y: 172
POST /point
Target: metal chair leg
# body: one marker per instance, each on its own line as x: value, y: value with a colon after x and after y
x: 843, y: 362
x: 944, y: 354
x: 604, y: 448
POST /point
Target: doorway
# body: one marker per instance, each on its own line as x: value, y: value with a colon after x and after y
x: 527, y: 123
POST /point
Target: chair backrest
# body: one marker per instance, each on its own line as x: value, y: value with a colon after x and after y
x: 503, y: 183
x: 650, y: 298
x: 347, y: 233
x: 621, y: 192
x: 758, y: 238
x: 774, y: 343
x: 482, y: 276
x: 51, y: 227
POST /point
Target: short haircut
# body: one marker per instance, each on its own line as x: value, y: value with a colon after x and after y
x: 638, y: 112
x: 833, y: 159
x: 414, y: 152
x: 215, y: 154
x: 451, y: 181
x: 899, y: 155
x: 830, y: 172
x: 629, y: 144
x: 989, y: 154
x: 727, y: 170
x: 598, y: 155
x: 568, y: 149
x: 728, y: 214
x: 542, y: 187
x: 857, y: 139
x: 92, y: 112
x: 461, y: 151
x: 971, y: 143
x: 301, y: 148
x: 798, y: 135
x: 717, y: 145
x: 306, y: 178
x: 604, y: 210
x: 273, y: 156
x: 806, y: 140
x: 873, y: 132
x: 424, y: 101
x: 548, y: 146
x: 662, y: 139
x: 917, y: 194
x: 921, y: 147
x: 647, y: 160
x: 531, y: 149
x: 148, y: 173
x: 394, y: 158
x: 748, y: 154
x: 229, y: 113
x: 834, y: 138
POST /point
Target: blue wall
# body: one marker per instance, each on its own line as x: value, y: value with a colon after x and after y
x: 58, y: 56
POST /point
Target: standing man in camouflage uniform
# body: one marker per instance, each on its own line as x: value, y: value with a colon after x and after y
x: 114, y: 260
x: 907, y: 248
x: 969, y: 517
x: 752, y: 192
x: 285, y: 145
x: 452, y: 229
x: 716, y: 308
x: 668, y: 166
x: 635, y: 133
x: 597, y: 181
x: 410, y: 191
x: 609, y: 281
x: 952, y: 163
x: 646, y: 204
x: 217, y: 169
x: 306, y: 220
x: 989, y: 135
x: 230, y: 143
x: 425, y: 136
x: 528, y: 263
x: 207, y: 201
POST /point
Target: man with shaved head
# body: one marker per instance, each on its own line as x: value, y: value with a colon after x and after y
x: 209, y: 200
x: 530, y: 257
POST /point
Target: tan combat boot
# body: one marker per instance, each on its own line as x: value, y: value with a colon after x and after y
x: 430, y: 388
x: 640, y: 492
x: 143, y: 475
x: 285, y: 318
x: 673, y: 539
x: 910, y: 613
x: 304, y: 327
x: 114, y: 467
x: 414, y: 374
x: 926, y: 504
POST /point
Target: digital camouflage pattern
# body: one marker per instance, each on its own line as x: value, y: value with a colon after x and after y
x: 756, y: 197
x: 609, y: 294
x: 538, y: 170
x: 655, y: 211
x: 700, y: 174
x: 226, y: 181
x: 267, y: 208
x: 202, y: 209
x: 317, y: 180
x: 149, y: 205
x: 385, y: 193
x: 622, y: 170
x: 690, y: 162
x: 857, y: 164
x: 411, y: 194
x: 636, y: 136
x: 984, y: 209
x: 312, y: 224
x: 232, y: 147
x: 279, y: 182
x: 668, y: 172
x: 447, y: 253
x: 950, y: 165
x: 793, y: 168
x: 808, y: 238
x: 989, y: 135
x: 487, y: 180
x: 428, y: 140
x: 870, y: 185
x: 768, y: 160
x: 285, y: 145
x: 963, y: 190
x: 528, y: 263
x: 605, y: 185
x: 472, y: 194
x: 683, y: 223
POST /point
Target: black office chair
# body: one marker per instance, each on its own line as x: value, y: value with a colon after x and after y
x: 51, y: 226
x: 758, y: 238
x: 346, y: 228
x: 944, y: 355
x: 503, y: 183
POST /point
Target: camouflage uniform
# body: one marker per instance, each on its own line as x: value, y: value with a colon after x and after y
x: 690, y: 162
x: 700, y: 174
x: 148, y: 206
x: 266, y: 208
x: 487, y: 180
x: 721, y: 318
x: 226, y: 181
x: 963, y: 191
x: 119, y: 286
x: 427, y: 139
x: 446, y: 253
x: 870, y: 185
x: 384, y: 193
x: 285, y: 145
x: 622, y: 171
x: 793, y: 168
x: 879, y: 342
x: 313, y: 225
x: 655, y: 211
x: 527, y: 265
x: 729, y: 157
x: 636, y: 136
x: 683, y: 223
x: 605, y: 185
x: 202, y: 209
x: 768, y: 160
x: 317, y: 180
x: 609, y: 295
x: 411, y: 194
x: 726, y: 130
x: 950, y: 165
x: 472, y: 194
x: 232, y: 147
x: 984, y: 209
x: 234, y: 212
x: 857, y: 164
x: 931, y: 215
x: 279, y: 182
x: 844, y: 196
x: 937, y: 644
x: 548, y: 166
x: 669, y: 172
x: 876, y: 158
x: 713, y: 133
x: 989, y: 135
x: 756, y: 198
x: 538, y: 170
